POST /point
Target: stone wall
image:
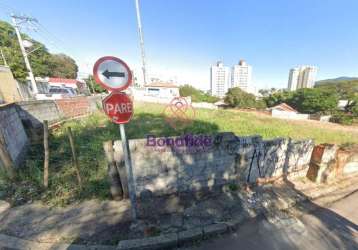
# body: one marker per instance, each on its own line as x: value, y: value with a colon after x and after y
x: 166, y: 169
x: 12, y: 133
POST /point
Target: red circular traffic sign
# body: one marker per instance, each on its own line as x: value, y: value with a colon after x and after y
x: 119, y: 107
x: 112, y: 73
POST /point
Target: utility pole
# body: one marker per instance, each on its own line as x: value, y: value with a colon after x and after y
x: 3, y: 57
x: 16, y: 24
x: 141, y: 41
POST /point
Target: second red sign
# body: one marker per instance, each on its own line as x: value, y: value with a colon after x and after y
x: 119, y: 107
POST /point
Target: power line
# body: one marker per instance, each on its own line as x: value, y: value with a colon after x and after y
x: 8, y: 8
x: 36, y: 27
x: 53, y: 39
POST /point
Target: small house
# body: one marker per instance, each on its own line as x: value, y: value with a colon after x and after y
x: 162, y: 90
x: 285, y: 111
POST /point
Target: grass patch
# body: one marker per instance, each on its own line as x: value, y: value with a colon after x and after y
x: 91, y: 132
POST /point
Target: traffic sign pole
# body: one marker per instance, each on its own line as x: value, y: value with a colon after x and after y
x: 114, y: 74
x: 128, y: 163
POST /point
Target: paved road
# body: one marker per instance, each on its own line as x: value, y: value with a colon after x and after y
x: 335, y: 227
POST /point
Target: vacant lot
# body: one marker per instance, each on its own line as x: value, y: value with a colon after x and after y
x: 92, y: 131
x: 241, y: 123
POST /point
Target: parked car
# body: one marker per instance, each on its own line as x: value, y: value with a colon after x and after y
x: 56, y: 93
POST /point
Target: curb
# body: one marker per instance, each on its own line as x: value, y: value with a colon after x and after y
x: 174, y: 239
x: 10, y: 242
x: 166, y: 240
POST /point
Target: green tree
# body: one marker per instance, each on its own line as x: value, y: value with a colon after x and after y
x: 278, y: 97
x: 43, y: 63
x: 93, y: 86
x: 315, y: 100
x: 63, y: 66
x: 236, y: 97
x: 346, y: 89
x: 352, y: 106
x: 267, y: 92
x: 196, y: 94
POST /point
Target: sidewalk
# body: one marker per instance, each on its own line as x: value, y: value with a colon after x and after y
x: 108, y: 222
x: 89, y: 220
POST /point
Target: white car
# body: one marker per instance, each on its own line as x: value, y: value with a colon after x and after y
x: 56, y: 93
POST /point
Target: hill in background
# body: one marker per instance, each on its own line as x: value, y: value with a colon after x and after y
x: 336, y: 80
x: 345, y: 87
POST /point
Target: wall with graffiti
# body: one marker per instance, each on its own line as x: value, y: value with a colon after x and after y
x: 165, y: 165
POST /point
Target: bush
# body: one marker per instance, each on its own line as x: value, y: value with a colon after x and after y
x: 236, y: 97
x: 196, y: 94
x: 342, y: 118
x: 352, y: 106
x: 260, y: 104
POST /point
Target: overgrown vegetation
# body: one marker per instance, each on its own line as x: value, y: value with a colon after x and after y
x: 196, y: 94
x: 238, y: 98
x: 93, y: 86
x: 91, y: 132
x: 42, y: 61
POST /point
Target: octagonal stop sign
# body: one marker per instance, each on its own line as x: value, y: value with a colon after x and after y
x: 119, y: 107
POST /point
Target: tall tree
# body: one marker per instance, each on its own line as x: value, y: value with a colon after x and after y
x: 42, y: 61
x: 236, y: 97
x: 63, y: 66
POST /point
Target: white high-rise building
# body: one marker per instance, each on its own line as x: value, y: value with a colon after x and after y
x: 308, y: 78
x: 241, y: 76
x: 219, y: 79
x: 302, y: 77
x: 293, y: 79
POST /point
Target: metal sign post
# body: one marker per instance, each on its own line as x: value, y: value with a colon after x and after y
x: 114, y: 74
x: 128, y: 163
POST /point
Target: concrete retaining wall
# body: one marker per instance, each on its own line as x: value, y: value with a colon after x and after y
x: 13, y: 133
x: 33, y: 113
x: 226, y: 159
